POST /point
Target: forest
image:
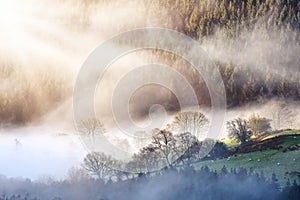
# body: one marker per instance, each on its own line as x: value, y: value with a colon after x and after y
x: 255, y: 44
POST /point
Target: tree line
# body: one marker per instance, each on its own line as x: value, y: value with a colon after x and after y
x: 182, y: 143
x: 183, y: 183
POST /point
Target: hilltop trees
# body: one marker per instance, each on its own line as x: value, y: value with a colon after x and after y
x: 242, y: 129
x: 184, y: 146
x: 160, y: 153
x: 98, y: 164
x: 259, y: 125
x: 164, y: 142
x: 239, y: 130
x: 145, y: 161
x: 188, y: 147
x: 166, y: 151
x: 283, y: 116
x: 189, y: 121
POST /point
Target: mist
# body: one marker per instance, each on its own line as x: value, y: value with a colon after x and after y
x: 43, y: 46
x: 172, y: 185
x: 39, y: 152
x: 43, y: 52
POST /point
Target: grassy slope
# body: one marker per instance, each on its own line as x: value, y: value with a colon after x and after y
x: 288, y: 132
x: 266, y: 161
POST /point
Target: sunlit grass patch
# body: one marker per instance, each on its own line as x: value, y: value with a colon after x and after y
x: 287, y: 132
x: 230, y: 142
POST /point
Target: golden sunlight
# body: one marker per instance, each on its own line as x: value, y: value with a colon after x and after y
x: 10, y: 15
x: 14, y: 15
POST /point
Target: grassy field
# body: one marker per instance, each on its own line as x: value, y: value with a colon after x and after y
x: 285, y: 162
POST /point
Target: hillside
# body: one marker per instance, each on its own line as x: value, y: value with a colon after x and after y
x: 279, y: 155
x: 254, y: 43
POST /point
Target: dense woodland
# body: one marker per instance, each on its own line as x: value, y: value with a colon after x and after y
x: 256, y: 42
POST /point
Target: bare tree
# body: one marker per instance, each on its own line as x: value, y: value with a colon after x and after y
x: 291, y: 120
x: 239, y: 130
x: 136, y: 165
x: 283, y: 116
x: 91, y: 126
x: 99, y: 165
x: 145, y: 161
x: 259, y: 125
x: 188, y: 147
x: 166, y: 150
x: 189, y: 121
x: 164, y: 142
